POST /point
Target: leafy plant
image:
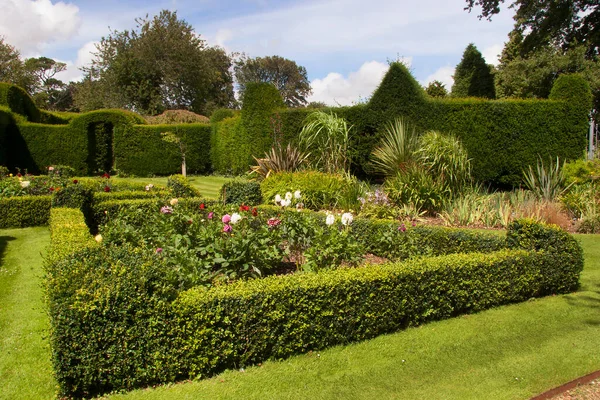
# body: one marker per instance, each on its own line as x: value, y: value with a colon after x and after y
x: 546, y: 181
x: 397, y: 150
x: 240, y: 192
x: 279, y: 159
x: 446, y: 159
x: 417, y: 186
x: 181, y: 187
x: 325, y: 136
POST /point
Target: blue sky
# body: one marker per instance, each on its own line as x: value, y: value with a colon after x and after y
x: 344, y: 44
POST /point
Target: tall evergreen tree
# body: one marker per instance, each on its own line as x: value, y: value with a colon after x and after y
x: 473, y: 77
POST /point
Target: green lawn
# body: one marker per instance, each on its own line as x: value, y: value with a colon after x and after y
x: 25, y: 368
x: 511, y: 352
x: 209, y: 186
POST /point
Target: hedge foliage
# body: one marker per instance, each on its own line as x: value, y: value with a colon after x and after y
x: 241, y: 192
x: 24, y: 211
x: 502, y: 137
x: 140, y: 149
x: 132, y: 329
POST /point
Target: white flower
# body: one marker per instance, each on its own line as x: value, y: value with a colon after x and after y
x: 98, y: 238
x: 297, y: 195
x: 286, y: 203
x: 25, y: 184
x: 288, y: 196
x: 277, y: 199
x: 174, y: 202
x: 347, y: 218
x: 330, y: 219
x: 235, y: 218
x: 149, y: 187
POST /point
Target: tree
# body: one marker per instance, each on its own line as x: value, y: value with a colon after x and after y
x: 560, y: 23
x: 473, y: 77
x: 46, y: 89
x: 12, y: 68
x: 163, y: 64
x: 436, y: 89
x: 533, y: 76
x: 290, y: 79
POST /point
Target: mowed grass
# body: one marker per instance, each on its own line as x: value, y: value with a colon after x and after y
x: 209, y: 185
x: 512, y: 352
x: 25, y: 366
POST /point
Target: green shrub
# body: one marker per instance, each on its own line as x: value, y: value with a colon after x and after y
x: 132, y: 327
x: 228, y: 151
x: 68, y: 234
x: 398, y: 241
x: 417, y: 187
x: 173, y: 117
x: 4, y: 172
x: 24, y: 211
x: 73, y: 196
x: 241, y: 192
x: 181, y: 187
x: 221, y: 114
x: 319, y: 190
x: 233, y: 325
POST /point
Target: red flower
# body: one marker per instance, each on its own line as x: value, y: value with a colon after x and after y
x: 254, y: 212
x: 244, y: 207
x: 107, y: 188
x: 190, y: 221
x: 273, y: 222
x: 106, y: 175
x: 51, y: 189
x: 202, y: 206
x: 19, y: 175
x: 75, y: 181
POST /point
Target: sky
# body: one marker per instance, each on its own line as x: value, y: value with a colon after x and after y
x: 345, y: 45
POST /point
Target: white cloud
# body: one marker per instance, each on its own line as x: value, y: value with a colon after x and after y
x: 492, y: 53
x: 335, y: 89
x: 30, y: 25
x: 310, y: 28
x: 84, y: 58
x: 444, y: 75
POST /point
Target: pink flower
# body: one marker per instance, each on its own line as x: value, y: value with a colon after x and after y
x: 159, y: 250
x: 210, y: 215
x: 227, y: 228
x: 402, y: 228
x: 166, y: 210
x: 273, y: 222
x: 226, y: 218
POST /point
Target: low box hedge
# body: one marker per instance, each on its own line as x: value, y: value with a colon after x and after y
x: 118, y: 322
x: 24, y: 211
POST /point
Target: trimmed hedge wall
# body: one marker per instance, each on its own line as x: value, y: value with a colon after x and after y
x: 24, y: 211
x: 502, y: 137
x: 140, y: 150
x: 132, y: 329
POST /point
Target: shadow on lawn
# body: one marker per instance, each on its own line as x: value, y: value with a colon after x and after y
x: 3, y: 243
x: 588, y: 299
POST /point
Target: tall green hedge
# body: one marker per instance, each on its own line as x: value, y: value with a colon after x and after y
x: 502, y: 137
x: 237, y: 140
x: 140, y: 149
x: 19, y: 102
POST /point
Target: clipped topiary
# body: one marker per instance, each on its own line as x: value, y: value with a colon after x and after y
x: 572, y: 88
x: 19, y: 102
x: 241, y: 192
x: 181, y: 187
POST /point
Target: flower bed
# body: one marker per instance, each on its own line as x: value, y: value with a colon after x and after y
x: 128, y: 315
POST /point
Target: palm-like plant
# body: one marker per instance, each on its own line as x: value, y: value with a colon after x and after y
x: 279, y: 159
x: 547, y: 182
x: 447, y: 159
x: 397, y: 151
x: 325, y: 136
